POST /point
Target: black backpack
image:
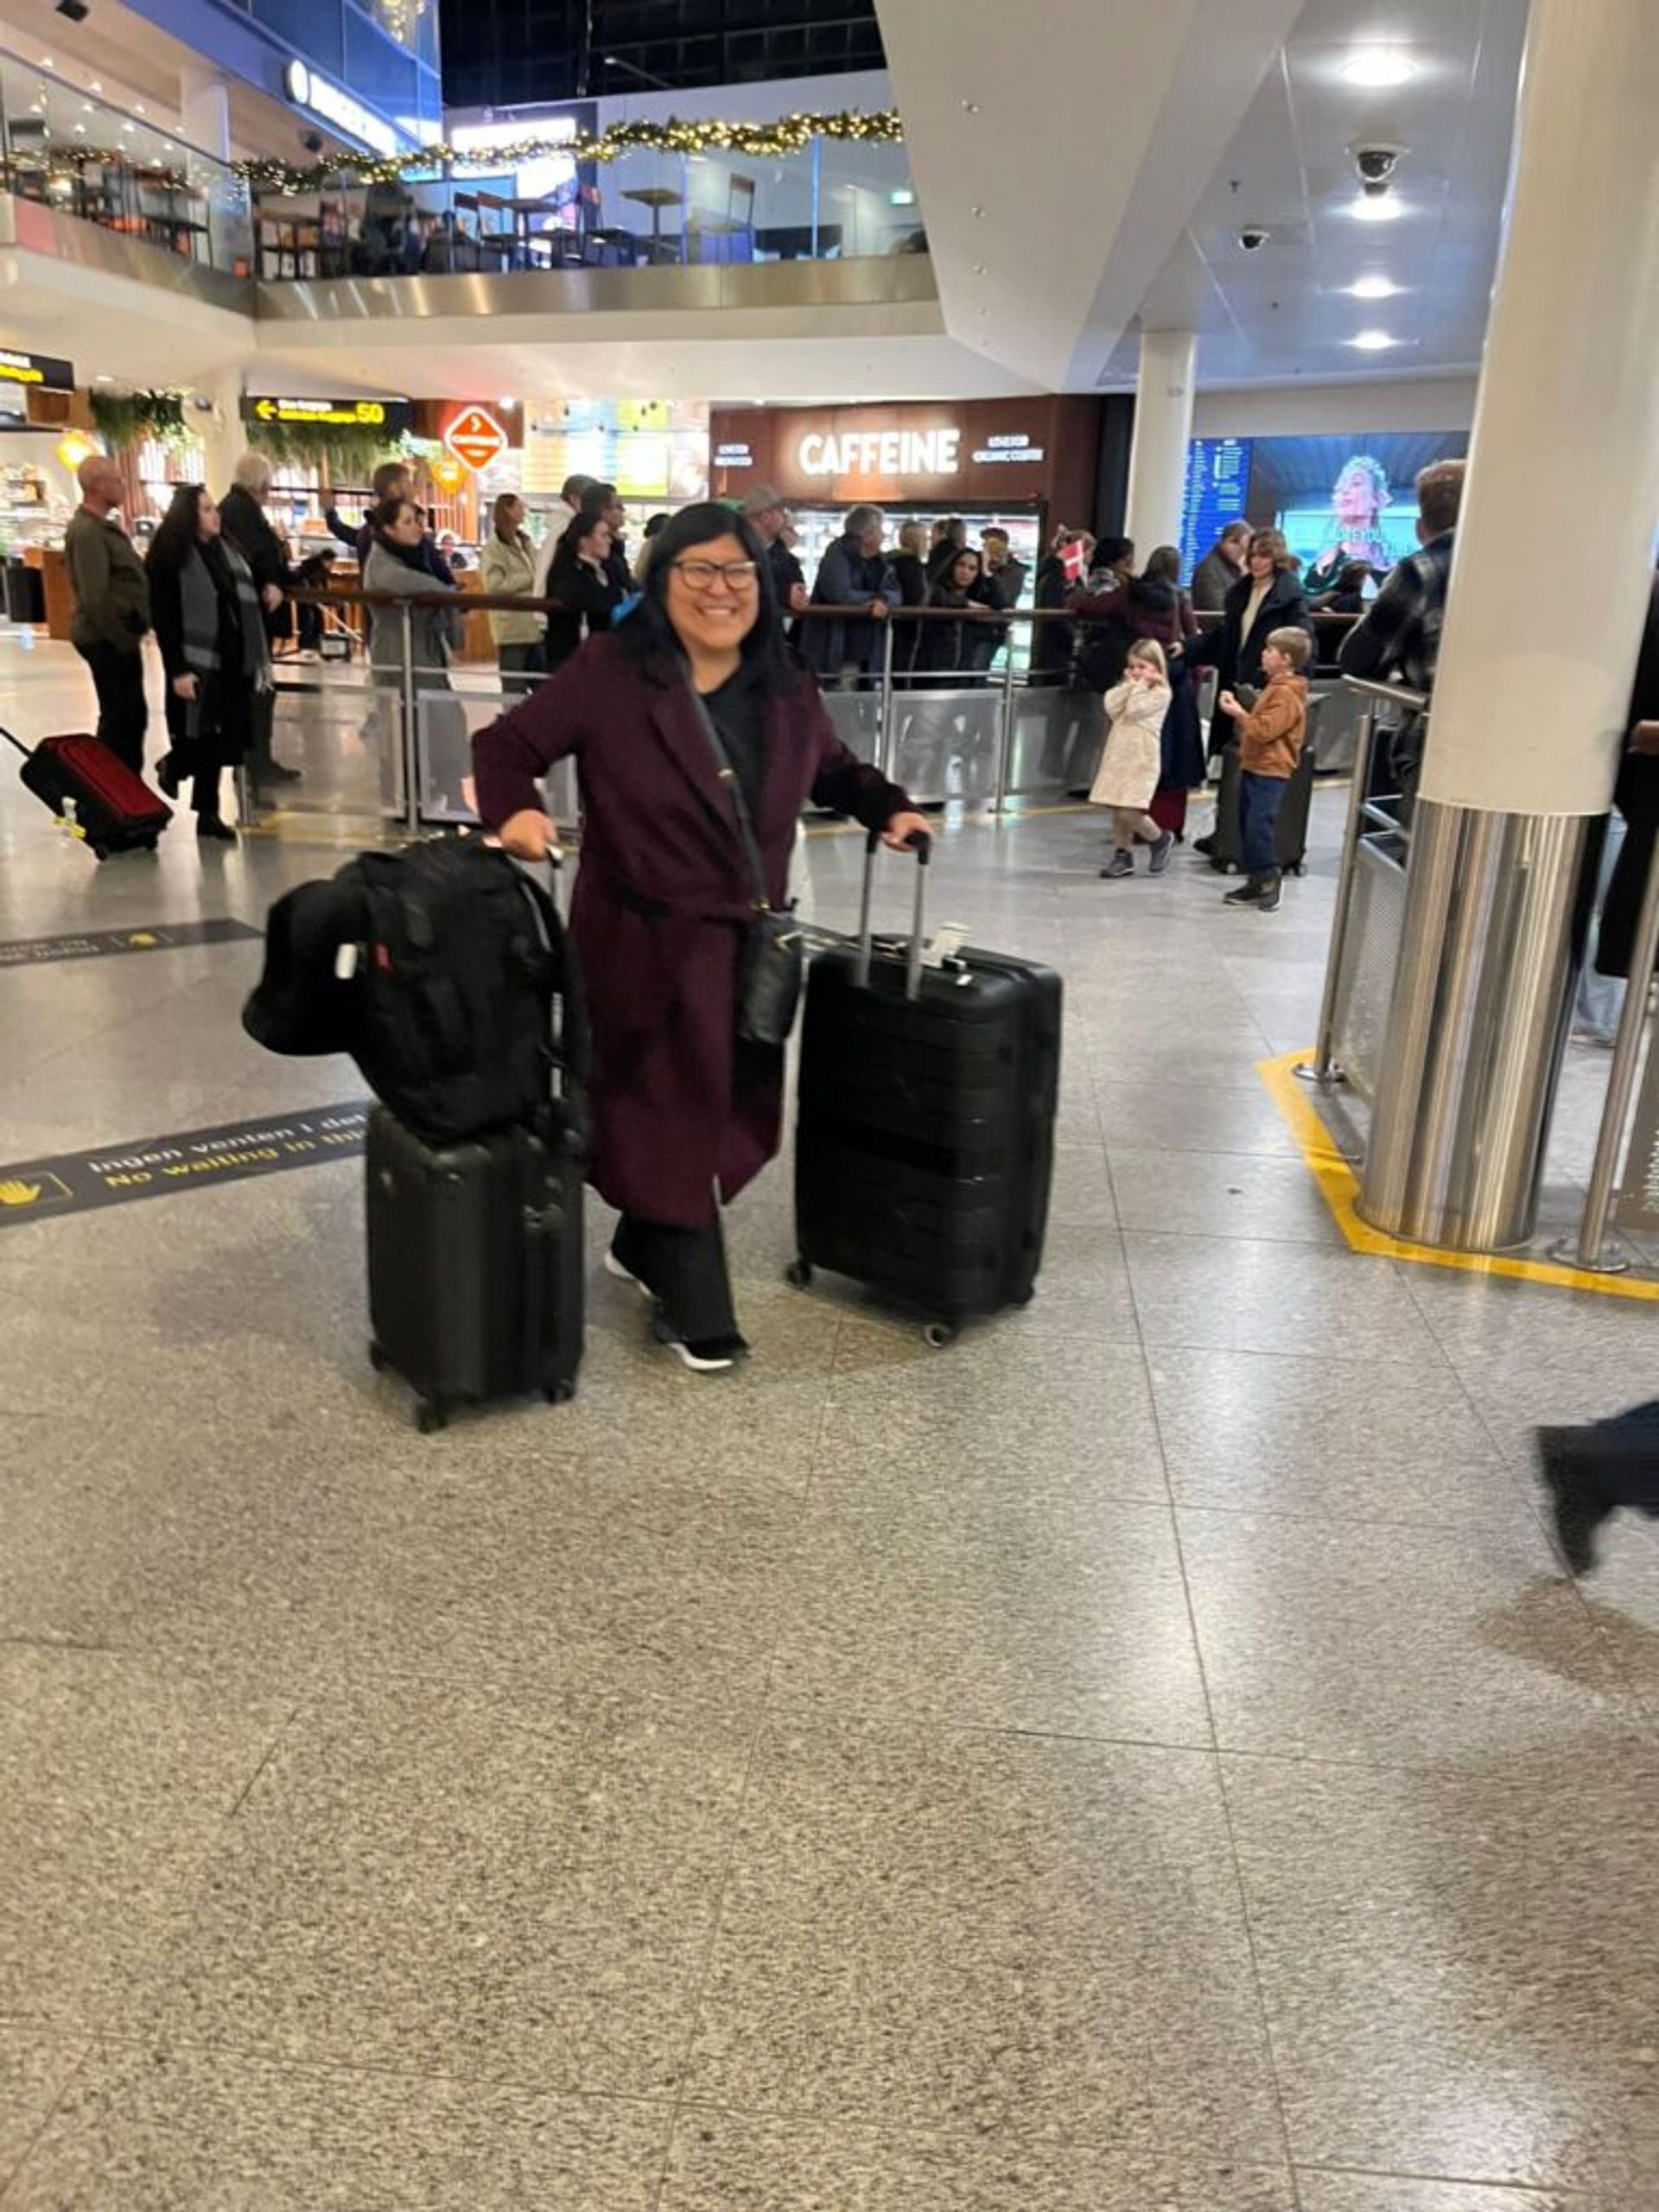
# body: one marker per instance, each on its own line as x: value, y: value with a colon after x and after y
x: 458, y: 964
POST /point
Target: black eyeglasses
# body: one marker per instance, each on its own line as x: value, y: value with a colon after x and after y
x: 736, y: 576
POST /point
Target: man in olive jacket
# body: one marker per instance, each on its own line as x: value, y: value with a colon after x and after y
x: 112, y: 608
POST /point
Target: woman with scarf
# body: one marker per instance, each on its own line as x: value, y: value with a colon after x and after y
x: 209, y: 628
x: 397, y: 568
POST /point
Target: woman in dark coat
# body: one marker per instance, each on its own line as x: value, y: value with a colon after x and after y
x: 684, y: 1115
x: 210, y: 628
x: 1182, y: 736
x: 1268, y: 596
x: 944, y: 650
x: 581, y: 577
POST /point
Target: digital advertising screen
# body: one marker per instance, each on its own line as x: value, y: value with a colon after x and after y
x: 1336, y: 498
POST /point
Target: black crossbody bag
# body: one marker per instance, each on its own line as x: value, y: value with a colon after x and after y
x: 770, y: 963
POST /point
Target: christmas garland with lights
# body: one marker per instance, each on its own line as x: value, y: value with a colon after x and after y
x: 789, y: 134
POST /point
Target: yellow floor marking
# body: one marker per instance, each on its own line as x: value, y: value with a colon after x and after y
x: 1340, y: 1186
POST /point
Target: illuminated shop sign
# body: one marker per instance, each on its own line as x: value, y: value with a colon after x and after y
x: 735, y: 456
x: 337, y: 109
x: 1014, y: 448
x: 880, y: 453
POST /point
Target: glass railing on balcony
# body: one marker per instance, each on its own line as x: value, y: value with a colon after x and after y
x: 836, y: 199
x: 71, y: 153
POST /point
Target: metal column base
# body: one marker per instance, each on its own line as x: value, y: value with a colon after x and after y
x: 1476, y: 1027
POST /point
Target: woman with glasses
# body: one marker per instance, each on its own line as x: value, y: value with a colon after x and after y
x: 684, y: 1113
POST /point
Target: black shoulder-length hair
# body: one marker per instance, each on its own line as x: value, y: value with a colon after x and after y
x: 647, y: 634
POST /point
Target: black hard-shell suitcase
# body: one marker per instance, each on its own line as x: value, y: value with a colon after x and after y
x: 92, y: 790
x: 475, y: 1265
x: 475, y: 1253
x: 924, y: 1144
x: 1226, y: 851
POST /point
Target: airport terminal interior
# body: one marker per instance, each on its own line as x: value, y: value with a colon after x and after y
x: 1149, y: 1753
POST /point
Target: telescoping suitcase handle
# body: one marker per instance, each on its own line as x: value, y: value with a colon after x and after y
x: 27, y: 751
x: 922, y: 845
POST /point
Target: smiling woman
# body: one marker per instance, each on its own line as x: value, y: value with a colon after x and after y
x: 697, y: 739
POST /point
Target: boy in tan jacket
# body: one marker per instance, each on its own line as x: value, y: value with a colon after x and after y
x: 1271, y: 736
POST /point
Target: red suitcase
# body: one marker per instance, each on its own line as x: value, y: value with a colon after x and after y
x: 88, y: 788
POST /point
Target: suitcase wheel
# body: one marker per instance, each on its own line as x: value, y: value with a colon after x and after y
x: 798, y: 1274
x: 378, y: 1359
x: 938, y: 1334
x: 99, y: 852
x: 429, y: 1417
x: 559, y: 1393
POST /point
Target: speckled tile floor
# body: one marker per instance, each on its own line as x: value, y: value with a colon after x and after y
x: 1142, y: 1759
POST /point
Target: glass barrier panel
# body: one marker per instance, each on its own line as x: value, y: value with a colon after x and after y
x: 1056, y: 743
x: 646, y: 209
x: 866, y: 203
x: 345, y: 735
x: 945, y: 744
x: 82, y: 157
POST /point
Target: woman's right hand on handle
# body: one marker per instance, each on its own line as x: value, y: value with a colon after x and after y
x: 184, y: 687
x: 530, y: 834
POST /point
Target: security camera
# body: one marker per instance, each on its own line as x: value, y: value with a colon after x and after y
x: 1253, y: 237
x: 312, y: 141
x: 1376, y: 164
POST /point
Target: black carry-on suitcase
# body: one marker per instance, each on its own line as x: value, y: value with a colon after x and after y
x: 1226, y: 848
x: 475, y: 1253
x: 95, y: 793
x: 475, y: 1266
x: 925, y: 1142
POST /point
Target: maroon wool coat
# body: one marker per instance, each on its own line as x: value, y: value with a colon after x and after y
x: 661, y: 902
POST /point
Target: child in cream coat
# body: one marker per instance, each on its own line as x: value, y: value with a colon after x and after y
x: 1132, y: 762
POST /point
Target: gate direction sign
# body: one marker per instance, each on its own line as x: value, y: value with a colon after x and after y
x: 189, y: 1159
x: 475, y: 437
x: 93, y: 944
x: 392, y: 415
x: 44, y: 372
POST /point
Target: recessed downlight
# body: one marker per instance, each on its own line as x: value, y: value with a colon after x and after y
x: 1372, y: 342
x: 1376, y: 207
x: 1376, y: 68
x: 1373, y: 288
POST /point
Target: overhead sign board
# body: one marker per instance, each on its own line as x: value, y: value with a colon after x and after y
x: 475, y: 437
x: 318, y: 96
x: 36, y: 373
x: 392, y: 415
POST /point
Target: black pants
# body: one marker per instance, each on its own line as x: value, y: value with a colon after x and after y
x: 684, y: 1268
x: 523, y: 667
x: 1630, y: 1473
x: 123, y: 714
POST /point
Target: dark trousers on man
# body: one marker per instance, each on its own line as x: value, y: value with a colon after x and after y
x: 123, y: 714
x: 1259, y: 800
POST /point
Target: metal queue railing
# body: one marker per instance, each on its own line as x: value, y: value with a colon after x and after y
x: 1359, y: 963
x: 989, y: 734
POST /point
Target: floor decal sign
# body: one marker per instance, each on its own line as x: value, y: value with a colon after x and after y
x: 94, y: 945
x: 193, y: 1159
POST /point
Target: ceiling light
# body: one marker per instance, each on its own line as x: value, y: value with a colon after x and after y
x: 47, y: 62
x: 1373, y: 288
x: 902, y: 198
x: 95, y: 86
x: 1376, y: 207
x: 1375, y: 68
x: 1372, y: 342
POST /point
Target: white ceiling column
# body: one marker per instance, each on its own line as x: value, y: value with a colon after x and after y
x: 1163, y: 423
